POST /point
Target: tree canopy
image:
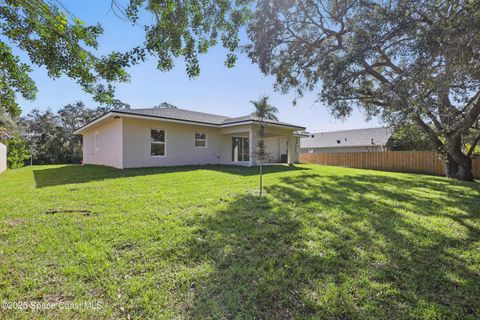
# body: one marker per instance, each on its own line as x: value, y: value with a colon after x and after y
x: 53, y: 38
x: 187, y: 28
x: 49, y: 135
x: 408, y: 137
x: 406, y: 60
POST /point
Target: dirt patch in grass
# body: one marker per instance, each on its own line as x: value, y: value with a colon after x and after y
x: 83, y: 212
x: 56, y: 298
x: 14, y: 222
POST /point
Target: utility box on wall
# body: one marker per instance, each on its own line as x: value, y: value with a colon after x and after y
x: 3, y: 157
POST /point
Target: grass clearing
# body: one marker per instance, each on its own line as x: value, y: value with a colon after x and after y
x: 196, y: 242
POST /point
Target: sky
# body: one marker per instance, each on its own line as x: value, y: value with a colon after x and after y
x: 217, y: 90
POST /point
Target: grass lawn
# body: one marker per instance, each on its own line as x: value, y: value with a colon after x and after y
x: 195, y: 242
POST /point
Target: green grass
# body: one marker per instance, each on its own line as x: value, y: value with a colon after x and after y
x: 196, y: 242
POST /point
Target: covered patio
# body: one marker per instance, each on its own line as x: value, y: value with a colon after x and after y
x: 282, y: 145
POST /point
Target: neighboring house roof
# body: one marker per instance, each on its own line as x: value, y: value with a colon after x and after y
x: 347, y: 138
x: 183, y: 115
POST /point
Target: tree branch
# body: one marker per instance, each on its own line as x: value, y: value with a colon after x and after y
x: 377, y: 75
x: 471, y: 115
x: 434, y: 119
x: 473, y: 146
x: 428, y: 130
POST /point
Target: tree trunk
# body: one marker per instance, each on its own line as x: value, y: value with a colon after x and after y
x: 457, y: 164
x: 261, y: 182
x: 459, y: 171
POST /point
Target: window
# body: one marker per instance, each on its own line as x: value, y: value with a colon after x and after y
x: 338, y: 141
x: 97, y: 141
x: 157, y: 143
x: 200, y: 140
x: 240, y: 149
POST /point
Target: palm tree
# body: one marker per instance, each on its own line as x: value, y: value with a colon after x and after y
x: 263, y: 111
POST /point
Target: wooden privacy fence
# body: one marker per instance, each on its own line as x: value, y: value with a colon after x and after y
x: 427, y: 162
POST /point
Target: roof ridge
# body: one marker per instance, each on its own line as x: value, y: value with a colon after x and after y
x: 200, y: 112
x: 350, y: 130
x: 210, y: 114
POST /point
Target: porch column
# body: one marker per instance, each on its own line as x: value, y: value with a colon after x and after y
x: 291, y: 149
x: 252, y: 145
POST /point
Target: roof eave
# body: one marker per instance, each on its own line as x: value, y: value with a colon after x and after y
x: 359, y: 145
x: 243, y: 122
x: 91, y: 123
x: 143, y: 116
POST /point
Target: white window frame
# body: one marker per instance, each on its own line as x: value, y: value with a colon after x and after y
x: 195, y: 140
x: 158, y: 142
x: 241, y: 151
x: 96, y: 141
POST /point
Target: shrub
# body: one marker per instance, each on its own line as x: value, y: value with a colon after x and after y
x: 17, y: 153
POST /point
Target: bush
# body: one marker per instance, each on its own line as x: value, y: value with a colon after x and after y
x: 17, y: 153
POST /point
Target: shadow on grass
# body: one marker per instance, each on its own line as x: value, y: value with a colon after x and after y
x: 71, y: 174
x: 343, y: 247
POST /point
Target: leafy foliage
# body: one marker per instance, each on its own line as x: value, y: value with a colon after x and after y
x: 50, y: 135
x: 44, y: 137
x: 188, y: 28
x: 10, y: 135
x: 401, y: 60
x: 17, y: 153
x: 410, y: 136
x: 52, y: 37
x: 263, y: 111
x: 8, y: 126
x: 61, y: 43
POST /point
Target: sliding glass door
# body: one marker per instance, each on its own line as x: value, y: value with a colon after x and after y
x: 240, y: 149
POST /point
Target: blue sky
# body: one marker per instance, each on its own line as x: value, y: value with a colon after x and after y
x: 218, y: 89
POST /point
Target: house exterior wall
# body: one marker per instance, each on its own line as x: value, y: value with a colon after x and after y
x: 126, y: 143
x: 344, y: 149
x: 179, y: 144
x: 272, y: 146
x: 297, y: 150
x: 3, y: 157
x: 278, y: 146
x: 110, y: 148
x: 277, y: 140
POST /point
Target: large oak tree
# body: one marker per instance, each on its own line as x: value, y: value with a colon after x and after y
x: 405, y: 60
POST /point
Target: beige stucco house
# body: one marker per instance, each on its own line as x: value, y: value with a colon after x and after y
x: 168, y: 136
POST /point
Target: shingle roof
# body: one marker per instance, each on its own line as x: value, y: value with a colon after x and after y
x: 347, y: 138
x: 172, y: 113
x: 195, y: 116
x: 178, y: 114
